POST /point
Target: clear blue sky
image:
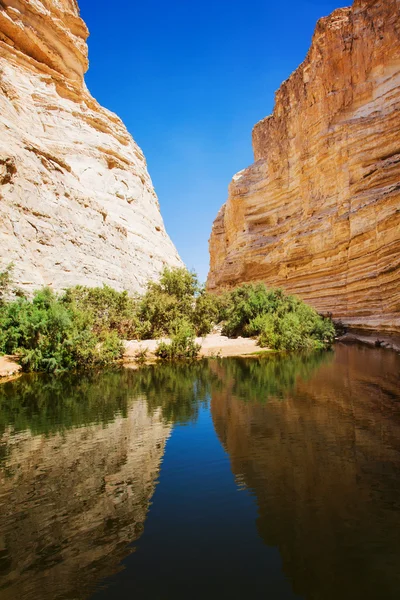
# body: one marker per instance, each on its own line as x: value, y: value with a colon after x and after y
x: 189, y: 79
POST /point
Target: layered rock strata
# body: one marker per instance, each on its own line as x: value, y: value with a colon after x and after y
x: 318, y: 213
x: 77, y: 205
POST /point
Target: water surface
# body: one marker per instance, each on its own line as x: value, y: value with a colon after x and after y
x: 259, y: 478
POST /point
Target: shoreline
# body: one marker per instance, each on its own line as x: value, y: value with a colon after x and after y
x: 212, y: 346
x: 370, y: 339
x: 9, y: 368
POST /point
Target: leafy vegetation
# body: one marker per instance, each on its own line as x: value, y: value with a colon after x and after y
x: 49, y: 334
x: 84, y: 327
x: 177, y: 297
x: 107, y: 309
x: 281, y: 322
x: 182, y: 345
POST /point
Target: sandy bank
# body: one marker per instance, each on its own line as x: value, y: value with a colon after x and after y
x: 9, y: 368
x: 211, y: 345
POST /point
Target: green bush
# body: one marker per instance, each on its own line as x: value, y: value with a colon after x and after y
x: 206, y: 312
x: 51, y: 335
x: 178, y: 295
x: 183, y: 344
x: 106, y: 309
x: 83, y: 327
x: 246, y: 303
x: 281, y: 321
x: 166, y: 301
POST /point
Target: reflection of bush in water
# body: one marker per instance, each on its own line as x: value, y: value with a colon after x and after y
x: 50, y: 403
x: 257, y: 379
x: 178, y: 389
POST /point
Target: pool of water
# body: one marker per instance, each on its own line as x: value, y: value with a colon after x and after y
x: 268, y: 477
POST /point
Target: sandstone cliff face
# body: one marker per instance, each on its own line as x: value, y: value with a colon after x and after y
x: 318, y: 213
x: 77, y: 205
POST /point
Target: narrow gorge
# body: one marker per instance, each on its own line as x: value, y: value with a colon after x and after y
x: 77, y: 205
x: 318, y: 213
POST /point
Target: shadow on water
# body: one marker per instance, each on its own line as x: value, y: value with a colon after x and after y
x: 315, y: 439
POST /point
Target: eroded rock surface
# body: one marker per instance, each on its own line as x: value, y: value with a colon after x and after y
x: 77, y: 205
x: 318, y: 213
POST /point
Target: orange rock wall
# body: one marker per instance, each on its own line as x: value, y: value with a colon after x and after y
x: 318, y: 213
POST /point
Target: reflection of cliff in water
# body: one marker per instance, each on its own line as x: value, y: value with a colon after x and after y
x: 324, y: 465
x: 73, y: 498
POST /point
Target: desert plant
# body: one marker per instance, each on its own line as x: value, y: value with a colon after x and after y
x: 166, y: 301
x: 182, y: 345
x: 107, y: 309
x: 282, y: 322
x: 141, y: 355
x: 51, y: 335
x: 206, y: 312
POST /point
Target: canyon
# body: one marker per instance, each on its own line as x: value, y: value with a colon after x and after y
x: 77, y: 205
x: 318, y: 213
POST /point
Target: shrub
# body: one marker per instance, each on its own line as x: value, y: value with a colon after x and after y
x: 183, y: 344
x: 206, y: 312
x: 106, y: 309
x: 178, y: 282
x: 83, y: 327
x: 247, y: 302
x: 51, y: 335
x: 178, y: 295
x: 167, y: 301
x: 141, y: 355
x: 281, y: 321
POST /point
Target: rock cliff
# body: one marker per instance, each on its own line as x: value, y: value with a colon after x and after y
x: 318, y: 213
x: 77, y: 205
